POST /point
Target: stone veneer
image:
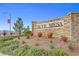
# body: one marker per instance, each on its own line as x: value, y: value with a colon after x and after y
x: 70, y: 27
x: 75, y: 26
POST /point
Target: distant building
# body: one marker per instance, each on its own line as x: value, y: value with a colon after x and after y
x: 68, y: 26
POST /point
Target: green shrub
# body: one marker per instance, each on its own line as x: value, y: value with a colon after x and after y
x: 51, y: 41
x: 26, y: 31
x: 51, y: 46
x: 57, y: 52
x: 37, y: 52
x: 71, y: 46
x: 36, y: 44
x: 28, y: 37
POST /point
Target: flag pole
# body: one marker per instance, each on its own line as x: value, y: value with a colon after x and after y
x: 10, y: 23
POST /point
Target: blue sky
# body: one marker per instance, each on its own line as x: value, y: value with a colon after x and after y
x: 33, y: 12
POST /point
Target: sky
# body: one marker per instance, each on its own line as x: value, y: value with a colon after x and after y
x: 33, y: 12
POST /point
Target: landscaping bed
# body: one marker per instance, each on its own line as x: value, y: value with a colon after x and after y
x: 12, y: 47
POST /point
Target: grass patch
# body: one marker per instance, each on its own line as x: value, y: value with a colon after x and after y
x: 58, y: 52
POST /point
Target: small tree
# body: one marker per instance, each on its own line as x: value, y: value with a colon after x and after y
x: 18, y: 26
x: 27, y: 31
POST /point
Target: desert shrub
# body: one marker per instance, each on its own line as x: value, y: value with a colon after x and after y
x: 21, y: 41
x: 39, y: 34
x: 31, y: 34
x: 64, y: 38
x: 52, y: 46
x: 71, y: 46
x: 13, y: 37
x: 36, y: 44
x: 57, y: 52
x: 4, y: 33
x: 38, y: 52
x: 28, y: 37
x: 50, y: 34
x: 51, y: 41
